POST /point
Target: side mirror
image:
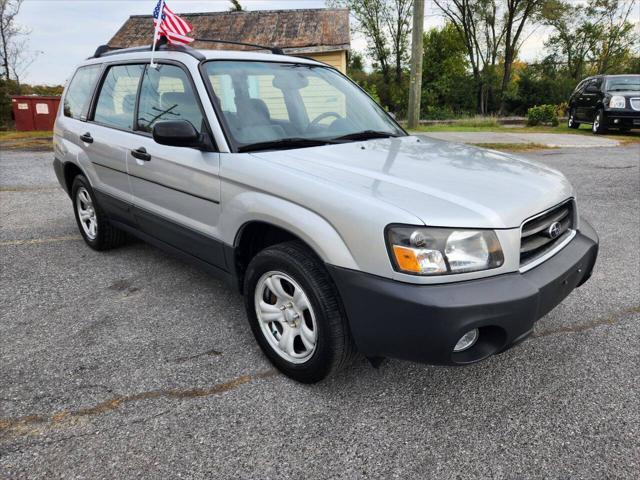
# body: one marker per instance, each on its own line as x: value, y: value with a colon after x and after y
x: 177, y: 133
x: 592, y: 89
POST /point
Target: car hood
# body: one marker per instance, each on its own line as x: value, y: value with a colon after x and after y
x: 442, y: 183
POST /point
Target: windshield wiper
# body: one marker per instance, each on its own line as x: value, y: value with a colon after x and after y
x: 630, y: 88
x: 365, y: 135
x: 294, y: 142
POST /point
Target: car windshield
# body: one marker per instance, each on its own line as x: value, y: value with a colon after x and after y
x: 272, y: 105
x: 623, y: 83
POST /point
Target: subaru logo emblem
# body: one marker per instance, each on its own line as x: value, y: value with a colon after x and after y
x: 554, y: 230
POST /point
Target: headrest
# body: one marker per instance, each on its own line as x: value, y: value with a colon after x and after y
x: 260, y: 107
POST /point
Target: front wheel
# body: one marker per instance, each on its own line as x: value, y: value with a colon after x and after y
x: 571, y: 122
x: 599, y: 125
x: 295, y: 313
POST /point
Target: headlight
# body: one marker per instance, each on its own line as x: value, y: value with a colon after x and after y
x: 441, y: 251
x: 617, y: 101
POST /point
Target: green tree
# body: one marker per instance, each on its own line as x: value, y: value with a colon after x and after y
x: 492, y: 31
x: 516, y: 15
x: 235, y: 6
x: 7, y: 88
x: 447, y: 85
x: 543, y: 83
x: 596, y: 37
x: 355, y: 63
x: 386, y: 24
x: 477, y: 22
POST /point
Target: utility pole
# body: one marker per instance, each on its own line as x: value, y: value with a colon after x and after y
x: 415, y: 80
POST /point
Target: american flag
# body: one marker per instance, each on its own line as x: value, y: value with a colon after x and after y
x: 170, y: 25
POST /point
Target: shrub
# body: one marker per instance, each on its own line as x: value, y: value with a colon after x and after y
x: 542, y: 114
x: 561, y: 109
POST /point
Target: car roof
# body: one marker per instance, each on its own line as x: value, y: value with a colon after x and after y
x: 144, y: 53
x: 254, y: 56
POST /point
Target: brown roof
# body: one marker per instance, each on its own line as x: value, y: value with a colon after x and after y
x: 296, y: 31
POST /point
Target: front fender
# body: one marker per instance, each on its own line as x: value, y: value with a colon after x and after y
x: 310, y: 227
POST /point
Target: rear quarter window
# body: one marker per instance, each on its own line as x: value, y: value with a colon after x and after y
x: 78, y: 94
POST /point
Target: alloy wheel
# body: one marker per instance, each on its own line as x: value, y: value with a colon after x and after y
x: 87, y: 213
x: 286, y: 317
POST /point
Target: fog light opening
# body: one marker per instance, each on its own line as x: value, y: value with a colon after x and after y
x: 467, y: 341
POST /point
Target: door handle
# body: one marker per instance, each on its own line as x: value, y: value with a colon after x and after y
x: 141, y: 154
x: 86, y: 138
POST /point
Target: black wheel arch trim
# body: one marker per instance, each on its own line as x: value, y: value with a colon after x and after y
x: 60, y: 168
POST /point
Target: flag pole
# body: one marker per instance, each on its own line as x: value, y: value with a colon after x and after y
x: 155, y: 33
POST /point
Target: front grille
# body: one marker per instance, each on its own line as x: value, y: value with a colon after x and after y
x: 538, y: 237
x: 635, y: 103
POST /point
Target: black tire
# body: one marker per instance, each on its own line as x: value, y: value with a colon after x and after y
x: 334, y: 346
x: 571, y: 122
x: 599, y: 125
x: 107, y: 236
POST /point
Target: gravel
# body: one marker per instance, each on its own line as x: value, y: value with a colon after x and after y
x: 130, y: 363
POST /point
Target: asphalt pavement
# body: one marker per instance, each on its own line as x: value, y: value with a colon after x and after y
x: 129, y: 363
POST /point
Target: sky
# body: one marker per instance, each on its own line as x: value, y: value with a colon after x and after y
x: 64, y: 32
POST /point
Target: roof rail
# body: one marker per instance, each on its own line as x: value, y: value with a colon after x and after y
x: 106, y: 50
x: 274, y: 50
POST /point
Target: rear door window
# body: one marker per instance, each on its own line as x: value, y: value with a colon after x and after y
x: 78, y: 94
x: 117, y: 98
x: 166, y: 94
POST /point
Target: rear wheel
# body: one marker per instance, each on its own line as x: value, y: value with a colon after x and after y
x: 571, y: 122
x: 599, y: 125
x: 295, y: 313
x: 92, y: 222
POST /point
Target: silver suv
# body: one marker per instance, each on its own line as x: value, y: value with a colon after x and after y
x: 344, y: 233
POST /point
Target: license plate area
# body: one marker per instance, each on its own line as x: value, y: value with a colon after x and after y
x: 555, y: 292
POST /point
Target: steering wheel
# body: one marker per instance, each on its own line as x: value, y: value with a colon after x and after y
x: 321, y: 117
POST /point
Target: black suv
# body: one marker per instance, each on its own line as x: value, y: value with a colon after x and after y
x: 606, y: 101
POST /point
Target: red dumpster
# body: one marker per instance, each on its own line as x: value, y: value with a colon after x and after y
x: 34, y: 112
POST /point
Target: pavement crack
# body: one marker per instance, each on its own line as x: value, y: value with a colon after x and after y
x: 582, y: 327
x: 22, y: 447
x: 29, y: 423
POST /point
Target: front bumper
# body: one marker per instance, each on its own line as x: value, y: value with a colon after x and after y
x: 423, y: 322
x: 627, y: 118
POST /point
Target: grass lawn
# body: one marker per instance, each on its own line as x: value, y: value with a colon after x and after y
x: 15, y: 135
x: 513, y: 147
x: 490, y: 125
x: 37, y: 140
